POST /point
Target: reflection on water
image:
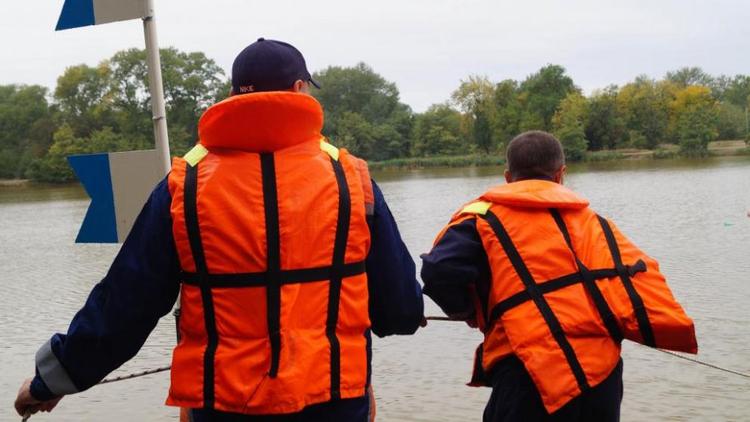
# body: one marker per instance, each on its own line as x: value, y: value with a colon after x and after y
x: 690, y: 215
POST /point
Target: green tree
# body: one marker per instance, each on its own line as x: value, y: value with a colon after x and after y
x: 543, y: 91
x: 360, y: 102
x: 730, y: 121
x: 437, y: 131
x: 355, y: 134
x: 694, y: 115
x: 473, y: 92
x: 605, y: 125
x: 54, y: 166
x: 688, y: 76
x: 507, y: 111
x: 482, y: 130
x: 192, y: 82
x: 568, y: 124
x: 738, y: 91
x: 644, y: 105
x: 719, y: 86
x: 85, y: 97
x: 107, y: 108
x: 115, y: 94
x: 26, y: 127
x: 475, y: 98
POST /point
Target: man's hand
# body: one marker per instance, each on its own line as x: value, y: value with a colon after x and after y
x: 469, y: 317
x: 26, y: 403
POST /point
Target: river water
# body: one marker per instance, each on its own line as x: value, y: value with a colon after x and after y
x: 692, y: 216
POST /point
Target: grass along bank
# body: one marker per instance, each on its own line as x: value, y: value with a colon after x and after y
x: 665, y: 151
x: 477, y: 160
x: 12, y: 183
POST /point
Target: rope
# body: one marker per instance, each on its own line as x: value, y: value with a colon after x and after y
x: 441, y: 318
x: 136, y: 375
x: 27, y: 415
x: 699, y: 362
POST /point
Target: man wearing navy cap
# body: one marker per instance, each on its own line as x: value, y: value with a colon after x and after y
x: 284, y: 251
x: 269, y: 65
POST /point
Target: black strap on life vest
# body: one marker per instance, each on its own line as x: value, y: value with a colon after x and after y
x: 259, y: 279
x: 196, y: 247
x: 334, y: 292
x: 273, y: 259
x: 536, y: 295
x: 556, y: 284
x: 644, y: 325
x: 274, y: 277
x: 589, y: 282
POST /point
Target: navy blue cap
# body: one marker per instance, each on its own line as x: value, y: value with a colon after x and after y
x: 268, y: 65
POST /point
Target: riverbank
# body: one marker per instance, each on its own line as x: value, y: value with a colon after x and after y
x: 666, y: 151
x: 13, y: 183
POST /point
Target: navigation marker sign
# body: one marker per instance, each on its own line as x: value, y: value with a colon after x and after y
x: 78, y: 13
x: 119, y: 183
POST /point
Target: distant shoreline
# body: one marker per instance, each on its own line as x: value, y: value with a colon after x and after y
x: 12, y: 183
x: 715, y: 149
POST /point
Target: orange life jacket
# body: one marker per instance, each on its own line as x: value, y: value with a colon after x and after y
x: 566, y: 288
x: 270, y: 226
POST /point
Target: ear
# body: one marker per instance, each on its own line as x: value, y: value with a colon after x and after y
x: 560, y: 174
x: 300, y: 86
x: 508, y: 176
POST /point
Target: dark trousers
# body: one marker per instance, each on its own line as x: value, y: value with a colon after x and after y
x: 515, y: 398
x: 348, y: 410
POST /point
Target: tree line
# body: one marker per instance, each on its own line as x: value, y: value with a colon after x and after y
x: 106, y: 108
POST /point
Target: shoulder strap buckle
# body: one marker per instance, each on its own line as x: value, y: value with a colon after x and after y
x: 195, y: 155
x: 329, y: 149
x: 479, y: 207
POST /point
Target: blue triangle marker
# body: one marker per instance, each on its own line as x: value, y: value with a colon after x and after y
x: 100, y: 224
x: 75, y: 14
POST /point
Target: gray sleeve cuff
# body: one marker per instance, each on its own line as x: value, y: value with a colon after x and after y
x: 52, y: 372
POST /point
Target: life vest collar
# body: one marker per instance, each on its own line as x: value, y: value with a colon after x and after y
x: 261, y: 122
x: 535, y: 194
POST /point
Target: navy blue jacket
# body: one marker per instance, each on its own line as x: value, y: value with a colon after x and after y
x: 142, y: 286
x: 457, y: 262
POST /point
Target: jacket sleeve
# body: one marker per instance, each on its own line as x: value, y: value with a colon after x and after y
x: 456, y: 266
x: 140, y: 287
x: 396, y: 305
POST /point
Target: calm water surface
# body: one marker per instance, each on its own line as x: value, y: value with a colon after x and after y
x: 690, y: 215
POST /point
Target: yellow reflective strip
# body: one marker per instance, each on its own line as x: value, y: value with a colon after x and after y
x: 195, y: 155
x: 477, y: 208
x: 329, y: 149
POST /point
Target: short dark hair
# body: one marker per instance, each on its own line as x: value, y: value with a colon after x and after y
x: 534, y: 155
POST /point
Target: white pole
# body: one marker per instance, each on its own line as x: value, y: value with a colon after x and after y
x: 158, y: 108
x: 156, y: 87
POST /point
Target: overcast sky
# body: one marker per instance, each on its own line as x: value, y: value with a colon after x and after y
x: 425, y: 46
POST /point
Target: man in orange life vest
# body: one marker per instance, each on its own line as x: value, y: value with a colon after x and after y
x: 554, y: 288
x: 285, y: 254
